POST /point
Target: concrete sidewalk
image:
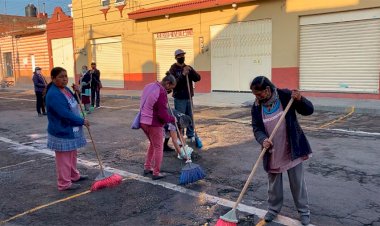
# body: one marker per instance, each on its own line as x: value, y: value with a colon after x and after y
x: 221, y: 99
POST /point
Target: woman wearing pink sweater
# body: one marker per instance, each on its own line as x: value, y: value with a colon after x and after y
x: 154, y: 115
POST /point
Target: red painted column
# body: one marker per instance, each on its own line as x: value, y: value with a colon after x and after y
x: 286, y: 77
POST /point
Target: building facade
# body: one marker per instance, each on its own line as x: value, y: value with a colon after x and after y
x: 36, y: 41
x: 59, y: 29
x: 23, y: 46
x: 326, y: 48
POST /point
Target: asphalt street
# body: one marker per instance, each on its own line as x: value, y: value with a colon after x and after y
x: 343, y: 175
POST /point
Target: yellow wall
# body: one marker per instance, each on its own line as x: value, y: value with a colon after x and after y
x: 138, y: 43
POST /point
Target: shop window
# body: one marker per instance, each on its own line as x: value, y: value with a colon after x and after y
x: 105, y: 3
x: 8, y: 64
x: 119, y: 2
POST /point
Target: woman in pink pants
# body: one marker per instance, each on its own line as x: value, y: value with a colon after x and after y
x: 154, y: 115
x: 65, y: 134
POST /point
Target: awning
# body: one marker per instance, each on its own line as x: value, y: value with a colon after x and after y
x: 181, y: 7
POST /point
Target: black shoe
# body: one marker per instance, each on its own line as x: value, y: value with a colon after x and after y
x: 82, y: 177
x: 305, y: 219
x: 44, y: 113
x: 269, y: 217
x: 146, y: 172
x: 73, y: 187
x: 168, y: 149
x: 157, y: 177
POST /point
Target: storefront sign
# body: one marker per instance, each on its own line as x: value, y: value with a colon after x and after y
x: 174, y: 34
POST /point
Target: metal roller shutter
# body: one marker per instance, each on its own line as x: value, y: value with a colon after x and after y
x: 240, y: 52
x: 63, y: 56
x: 340, y: 56
x: 165, y: 53
x: 107, y: 53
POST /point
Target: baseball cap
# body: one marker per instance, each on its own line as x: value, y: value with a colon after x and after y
x: 37, y: 68
x: 179, y: 51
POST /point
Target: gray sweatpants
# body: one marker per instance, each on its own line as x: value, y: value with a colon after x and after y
x: 297, y: 186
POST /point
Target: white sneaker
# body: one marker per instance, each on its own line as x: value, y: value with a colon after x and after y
x: 191, y: 140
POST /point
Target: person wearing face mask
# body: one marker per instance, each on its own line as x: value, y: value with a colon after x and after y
x: 153, y: 116
x: 288, y: 148
x: 40, y: 89
x: 85, y: 88
x: 182, y: 72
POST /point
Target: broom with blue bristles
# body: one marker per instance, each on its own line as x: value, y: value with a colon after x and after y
x: 191, y: 172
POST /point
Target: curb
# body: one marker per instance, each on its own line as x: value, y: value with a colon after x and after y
x: 318, y: 107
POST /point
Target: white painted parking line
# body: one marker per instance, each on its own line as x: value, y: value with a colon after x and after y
x: 200, y: 195
x: 120, y: 107
x: 356, y: 132
x: 106, y: 107
x: 23, y: 163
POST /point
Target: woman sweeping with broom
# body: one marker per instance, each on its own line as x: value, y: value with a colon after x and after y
x: 153, y: 116
x: 285, y: 147
x: 65, y: 134
x: 288, y: 148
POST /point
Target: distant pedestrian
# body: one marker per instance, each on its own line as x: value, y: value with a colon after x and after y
x: 96, y: 85
x: 65, y: 134
x: 39, y: 89
x: 289, y: 147
x: 182, y: 72
x: 85, y: 88
x: 154, y: 115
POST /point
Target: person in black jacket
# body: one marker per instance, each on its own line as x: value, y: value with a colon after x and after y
x: 40, y: 83
x: 96, y: 85
x: 182, y: 72
x: 288, y: 148
x: 85, y: 88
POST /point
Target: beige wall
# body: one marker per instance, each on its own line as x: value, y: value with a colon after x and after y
x: 138, y: 43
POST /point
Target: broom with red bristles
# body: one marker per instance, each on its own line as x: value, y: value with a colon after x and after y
x: 104, y: 179
x: 230, y: 218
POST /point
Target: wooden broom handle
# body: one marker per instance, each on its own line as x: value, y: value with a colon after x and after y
x: 262, y: 154
x: 89, y: 132
x: 178, y: 132
x: 191, y: 102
